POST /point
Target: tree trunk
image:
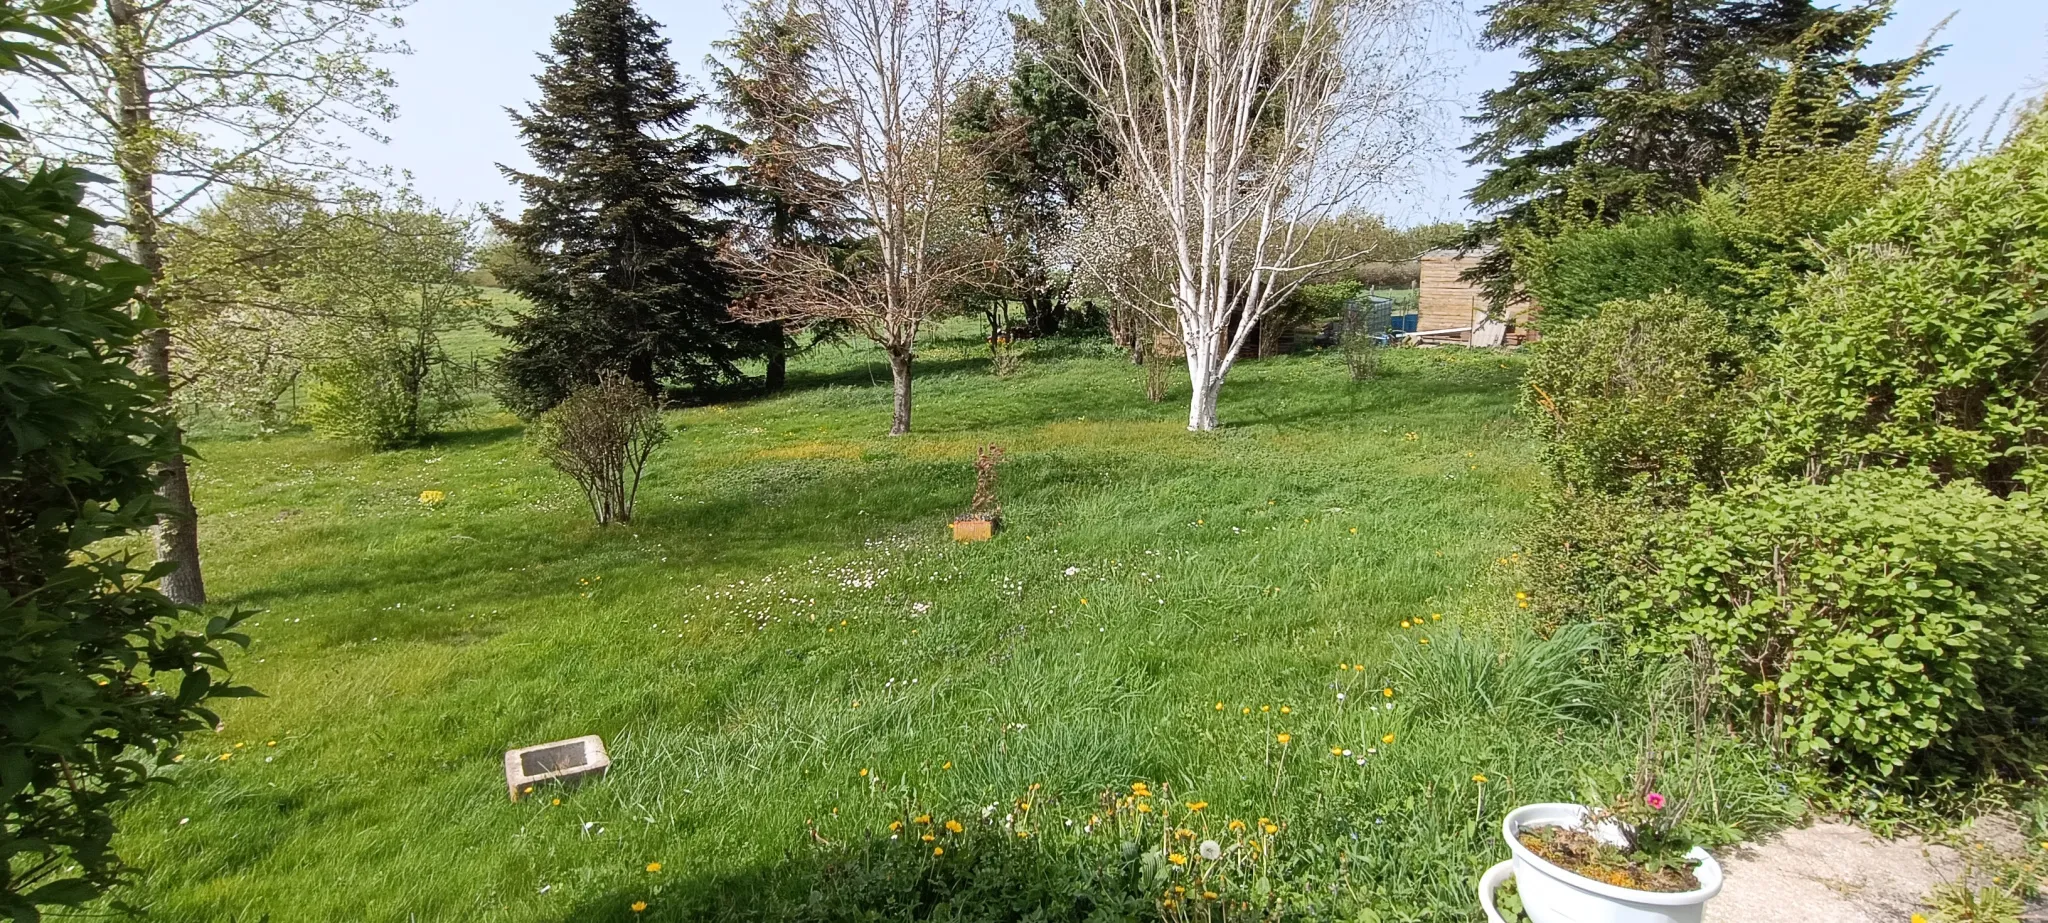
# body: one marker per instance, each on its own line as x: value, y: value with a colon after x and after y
x: 1201, y: 371
x: 177, y: 528
x: 899, y: 375
x: 778, y: 362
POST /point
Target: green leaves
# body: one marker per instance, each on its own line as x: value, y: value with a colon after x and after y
x: 1887, y: 622
x: 87, y: 647
x: 1919, y: 345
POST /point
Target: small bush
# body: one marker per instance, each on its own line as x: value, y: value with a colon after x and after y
x: 388, y: 396
x: 1881, y: 624
x: 601, y: 435
x: 1640, y: 399
x: 1579, y: 547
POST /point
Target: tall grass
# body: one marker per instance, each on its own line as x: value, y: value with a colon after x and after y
x: 785, y: 655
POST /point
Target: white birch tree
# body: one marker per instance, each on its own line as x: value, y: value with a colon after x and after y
x: 1241, y: 125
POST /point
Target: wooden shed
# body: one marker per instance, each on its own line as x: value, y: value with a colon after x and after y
x: 1452, y: 310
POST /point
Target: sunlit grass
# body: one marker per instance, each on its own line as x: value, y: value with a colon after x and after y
x: 786, y: 612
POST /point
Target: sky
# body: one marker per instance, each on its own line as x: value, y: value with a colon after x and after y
x: 471, y: 59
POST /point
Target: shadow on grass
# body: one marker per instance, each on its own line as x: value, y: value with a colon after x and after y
x: 875, y: 373
x: 984, y: 875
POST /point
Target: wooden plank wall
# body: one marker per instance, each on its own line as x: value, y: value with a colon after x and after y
x: 1444, y: 302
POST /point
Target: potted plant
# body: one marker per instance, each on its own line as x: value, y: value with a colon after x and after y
x: 985, y: 515
x: 1628, y: 862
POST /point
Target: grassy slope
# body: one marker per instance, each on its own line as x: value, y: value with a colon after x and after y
x: 787, y: 612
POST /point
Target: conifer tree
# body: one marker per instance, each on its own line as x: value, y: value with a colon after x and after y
x: 1640, y: 104
x: 619, y: 236
x: 772, y: 89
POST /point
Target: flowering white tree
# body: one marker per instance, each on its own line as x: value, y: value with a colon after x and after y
x: 1242, y: 124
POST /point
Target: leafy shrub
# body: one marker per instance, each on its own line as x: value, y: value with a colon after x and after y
x: 1881, y: 623
x: 388, y: 396
x: 1640, y: 399
x: 1572, y: 276
x: 1579, y: 547
x: 97, y: 681
x: 601, y: 435
x: 1921, y: 345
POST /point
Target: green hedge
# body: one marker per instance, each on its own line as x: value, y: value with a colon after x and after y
x: 1883, y: 624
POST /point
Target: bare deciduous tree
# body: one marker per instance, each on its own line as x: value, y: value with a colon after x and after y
x: 892, y: 70
x: 1242, y: 124
x: 182, y: 99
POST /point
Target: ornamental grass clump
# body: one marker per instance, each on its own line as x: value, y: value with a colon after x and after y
x: 601, y: 436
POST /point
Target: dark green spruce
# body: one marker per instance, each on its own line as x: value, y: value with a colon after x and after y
x: 1637, y: 105
x: 618, y: 241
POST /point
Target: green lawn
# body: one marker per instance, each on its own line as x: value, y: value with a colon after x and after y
x: 785, y: 653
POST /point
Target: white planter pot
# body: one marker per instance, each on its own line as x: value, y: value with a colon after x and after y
x: 1553, y: 895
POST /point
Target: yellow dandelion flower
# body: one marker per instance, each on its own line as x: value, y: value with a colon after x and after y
x: 1343, y: 666
x: 1436, y: 616
x: 1354, y: 530
x: 895, y: 825
x: 1177, y: 858
x: 1084, y: 600
x: 1388, y: 692
x: 1237, y: 825
x: 1404, y: 623
x: 1286, y: 710
x: 1387, y: 739
x: 1358, y: 668
x: 953, y: 826
x: 1265, y: 708
x: 1211, y: 895
x: 1144, y: 809
x: 923, y: 818
x: 1197, y: 805
x: 1272, y: 828
x: 1479, y: 777
x: 1521, y: 595
x: 863, y: 773
x: 1246, y: 710
x: 557, y: 802
x: 271, y: 744
x: 1219, y: 706
x: 938, y: 850
x: 1284, y: 738
x: 654, y: 866
x: 432, y: 497
x: 1336, y: 751
x: 639, y: 906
